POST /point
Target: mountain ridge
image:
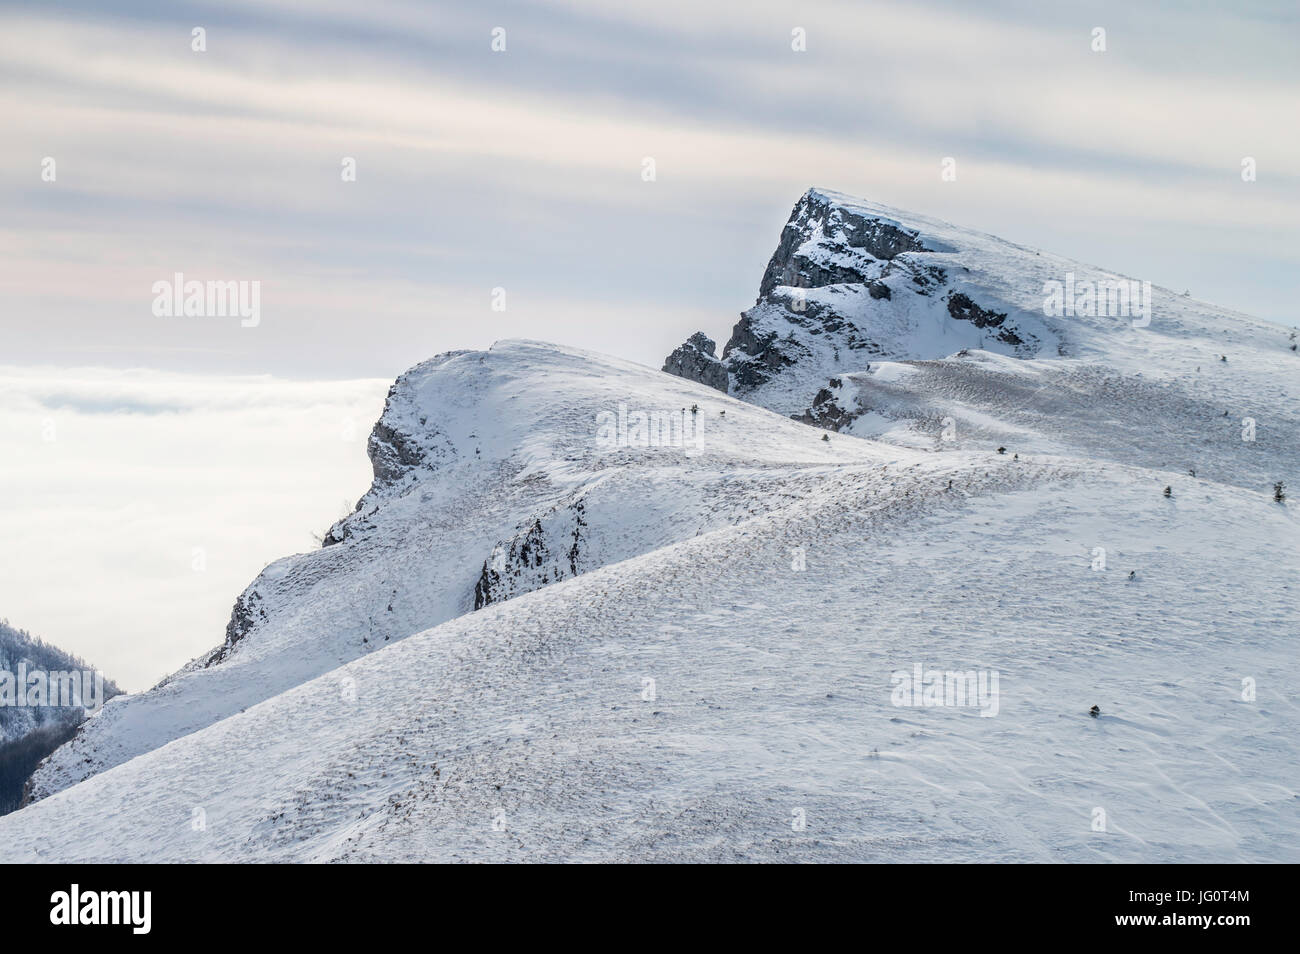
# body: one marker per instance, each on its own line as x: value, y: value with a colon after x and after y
x: 487, y: 617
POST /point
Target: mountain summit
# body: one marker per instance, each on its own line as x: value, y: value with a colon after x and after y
x: 884, y: 324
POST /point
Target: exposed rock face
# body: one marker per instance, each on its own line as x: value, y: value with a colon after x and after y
x: 846, y: 285
x: 963, y: 309
x: 395, y: 449
x: 545, y: 551
x: 828, y: 244
x: 248, y: 610
x: 697, y: 360
x: 390, y: 454
x: 759, y: 353
x: 831, y: 408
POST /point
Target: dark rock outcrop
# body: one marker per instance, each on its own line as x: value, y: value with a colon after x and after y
x: 821, y: 237
x: 962, y: 308
x: 544, y: 551
x: 697, y: 360
x: 849, y: 282
x: 248, y: 610
x: 829, y: 408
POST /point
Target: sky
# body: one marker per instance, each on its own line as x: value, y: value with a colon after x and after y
x: 516, y: 176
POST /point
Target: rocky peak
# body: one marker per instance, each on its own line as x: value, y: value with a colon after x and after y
x: 825, y: 243
x: 697, y: 360
x: 848, y: 284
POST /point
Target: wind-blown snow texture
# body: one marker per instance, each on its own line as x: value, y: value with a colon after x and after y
x: 362, y: 709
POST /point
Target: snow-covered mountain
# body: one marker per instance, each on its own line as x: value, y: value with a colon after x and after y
x: 490, y: 481
x: 879, y: 323
x: 30, y: 732
x: 592, y: 611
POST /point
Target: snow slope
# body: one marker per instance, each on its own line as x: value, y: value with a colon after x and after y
x: 690, y: 652
x: 521, y: 731
x: 472, y: 450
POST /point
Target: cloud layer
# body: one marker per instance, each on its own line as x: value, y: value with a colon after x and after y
x: 138, y: 505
